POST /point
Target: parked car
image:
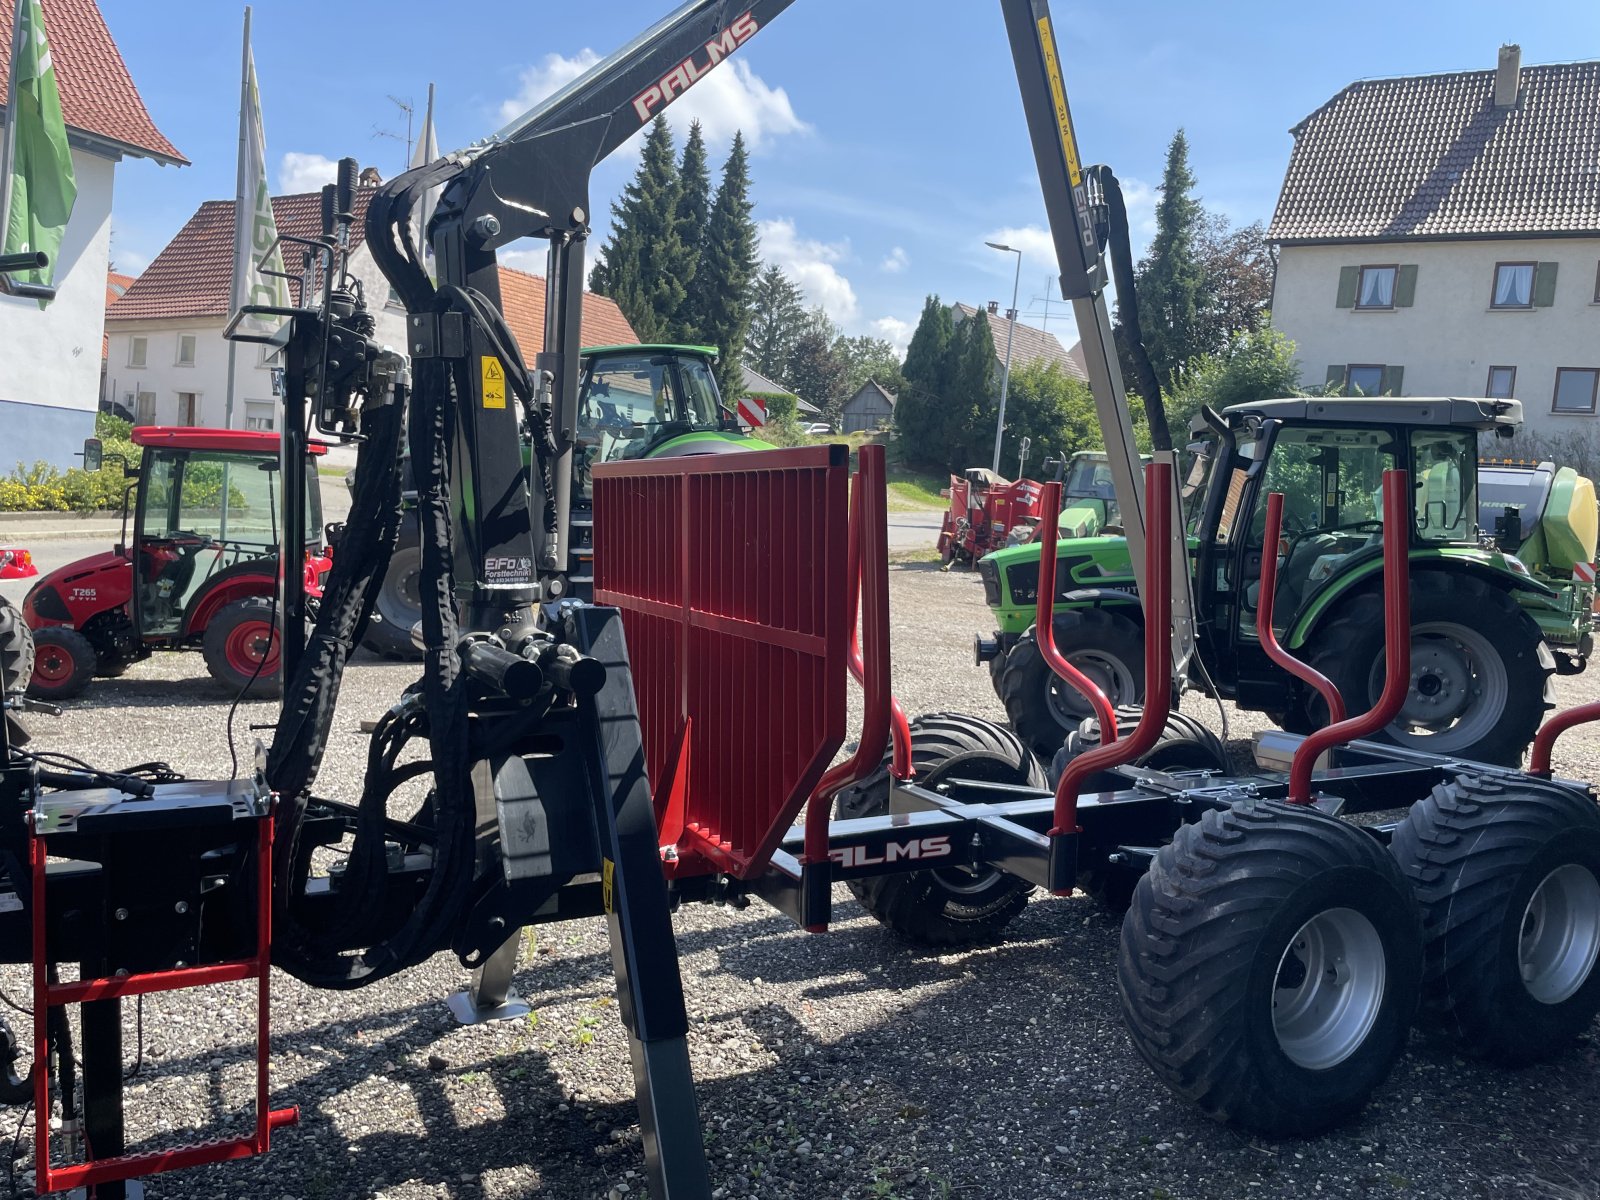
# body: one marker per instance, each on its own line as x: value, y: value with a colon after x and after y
x: 819, y: 429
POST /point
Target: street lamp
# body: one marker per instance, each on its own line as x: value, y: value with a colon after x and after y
x: 1011, y: 330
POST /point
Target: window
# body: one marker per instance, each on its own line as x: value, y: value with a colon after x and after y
x: 1502, y: 383
x: 144, y: 409
x: 1444, y: 466
x: 258, y: 414
x: 137, y: 349
x: 186, y: 349
x: 1575, y: 389
x: 1363, y: 380
x: 187, y: 409
x: 1377, y: 287
x: 1597, y: 283
x: 1513, y: 285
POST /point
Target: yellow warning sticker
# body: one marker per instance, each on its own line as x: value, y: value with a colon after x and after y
x: 607, y: 869
x: 494, y: 382
x: 1058, y: 97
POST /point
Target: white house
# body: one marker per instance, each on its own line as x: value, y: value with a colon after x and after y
x: 49, y: 368
x: 166, y: 358
x: 1440, y: 235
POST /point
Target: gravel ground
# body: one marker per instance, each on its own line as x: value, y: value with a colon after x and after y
x: 828, y: 1067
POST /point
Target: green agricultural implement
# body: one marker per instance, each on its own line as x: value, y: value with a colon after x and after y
x: 1488, y: 629
x: 634, y: 402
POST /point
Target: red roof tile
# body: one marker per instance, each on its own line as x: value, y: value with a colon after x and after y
x: 193, y: 274
x: 116, y: 284
x: 97, y: 93
x: 522, y: 296
x: 1434, y: 156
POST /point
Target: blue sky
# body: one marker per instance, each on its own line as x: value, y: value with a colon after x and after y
x: 888, y: 135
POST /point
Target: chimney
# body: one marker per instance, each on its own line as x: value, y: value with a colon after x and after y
x: 994, y: 307
x: 369, y: 177
x: 1508, y: 76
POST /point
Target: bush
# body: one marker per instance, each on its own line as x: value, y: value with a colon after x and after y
x: 42, y: 488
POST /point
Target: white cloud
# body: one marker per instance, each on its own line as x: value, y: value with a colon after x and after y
x: 1038, y: 248
x: 305, y: 173
x: 894, y: 330
x: 729, y: 98
x: 895, y: 261
x: 811, y: 265
x: 1140, y: 198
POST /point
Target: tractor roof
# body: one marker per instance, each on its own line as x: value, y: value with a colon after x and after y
x: 657, y: 347
x: 1465, y: 413
x: 190, y: 437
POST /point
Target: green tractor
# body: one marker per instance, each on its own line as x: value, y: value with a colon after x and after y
x: 638, y: 401
x: 1487, y: 632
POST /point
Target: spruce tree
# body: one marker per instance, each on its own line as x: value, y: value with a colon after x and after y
x: 973, y: 391
x: 919, y: 412
x: 644, y: 257
x: 694, y: 210
x: 1171, y: 278
x: 776, y: 316
x: 727, y: 269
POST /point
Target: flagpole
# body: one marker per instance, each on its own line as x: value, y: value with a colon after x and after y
x: 8, y: 147
x: 240, y: 218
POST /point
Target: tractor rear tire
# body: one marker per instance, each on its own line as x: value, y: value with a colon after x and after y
x: 1508, y: 875
x: 1185, y: 745
x: 16, y: 650
x: 237, y: 639
x: 1042, y: 708
x: 1471, y: 645
x: 399, y: 604
x: 1270, y: 966
x: 953, y: 906
x: 63, y: 663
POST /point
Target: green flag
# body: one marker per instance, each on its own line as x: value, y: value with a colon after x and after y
x: 42, y: 185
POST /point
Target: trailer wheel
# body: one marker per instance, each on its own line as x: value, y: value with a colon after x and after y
x: 1184, y: 745
x: 1043, y: 708
x: 241, y: 638
x: 63, y: 663
x: 399, y: 604
x: 953, y: 906
x: 1480, y: 670
x: 1508, y: 875
x: 1270, y: 966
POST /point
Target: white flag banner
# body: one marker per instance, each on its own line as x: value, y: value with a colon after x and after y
x: 256, y: 229
x: 427, y: 150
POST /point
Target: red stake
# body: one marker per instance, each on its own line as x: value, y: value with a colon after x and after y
x: 1396, y: 641
x: 1044, y: 619
x: 1157, y: 654
x: 1269, y: 640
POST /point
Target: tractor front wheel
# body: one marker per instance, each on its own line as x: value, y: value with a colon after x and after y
x: 952, y: 906
x: 1508, y: 874
x: 1270, y: 966
x: 399, y: 604
x: 1479, y: 668
x: 1042, y: 707
x: 63, y: 663
x: 242, y: 646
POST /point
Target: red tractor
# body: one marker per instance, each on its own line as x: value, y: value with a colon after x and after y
x: 984, y: 509
x: 199, y: 574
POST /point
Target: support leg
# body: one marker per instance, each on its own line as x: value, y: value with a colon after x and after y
x: 101, y: 1054
x: 644, y: 955
x: 489, y: 996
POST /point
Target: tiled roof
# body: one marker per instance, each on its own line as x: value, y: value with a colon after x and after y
x: 97, y: 93
x: 193, y: 274
x: 1029, y: 344
x: 1432, y: 156
x: 890, y: 396
x: 522, y: 297
x: 116, y: 284
x: 755, y: 381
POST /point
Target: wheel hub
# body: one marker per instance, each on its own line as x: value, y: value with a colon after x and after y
x: 1328, y: 989
x: 1108, y: 674
x: 1560, y: 934
x: 1458, y: 689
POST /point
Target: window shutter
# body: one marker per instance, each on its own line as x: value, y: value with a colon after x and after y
x: 1393, y: 377
x: 1544, y: 285
x: 1349, y: 280
x: 1405, y: 286
x: 1335, y: 383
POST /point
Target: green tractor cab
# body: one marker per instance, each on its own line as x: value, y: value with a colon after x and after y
x: 634, y: 402
x: 1484, y: 625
